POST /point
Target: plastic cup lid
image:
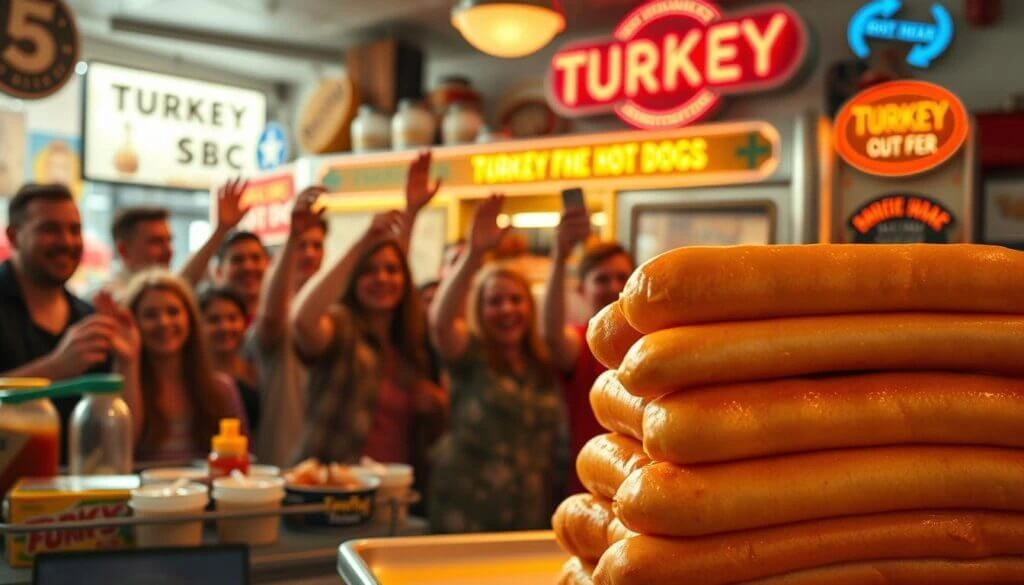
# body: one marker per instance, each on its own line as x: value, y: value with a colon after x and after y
x: 170, y: 497
x: 390, y: 474
x: 168, y: 474
x: 249, y: 489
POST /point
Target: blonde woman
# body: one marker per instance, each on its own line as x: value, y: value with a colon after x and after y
x: 498, y: 468
x: 180, y: 398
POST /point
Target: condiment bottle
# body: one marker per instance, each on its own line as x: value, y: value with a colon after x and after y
x: 100, y: 438
x: 29, y: 432
x: 230, y: 450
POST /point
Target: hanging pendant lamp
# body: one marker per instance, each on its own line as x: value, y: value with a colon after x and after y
x: 508, y: 28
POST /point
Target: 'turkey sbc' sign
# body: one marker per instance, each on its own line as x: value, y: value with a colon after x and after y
x: 671, y: 61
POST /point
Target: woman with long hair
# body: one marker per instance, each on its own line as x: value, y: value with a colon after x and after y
x: 224, y: 325
x: 498, y: 468
x: 181, y: 399
x: 359, y: 325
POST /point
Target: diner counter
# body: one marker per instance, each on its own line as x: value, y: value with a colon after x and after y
x: 306, y: 556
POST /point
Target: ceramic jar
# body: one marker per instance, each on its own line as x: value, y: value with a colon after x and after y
x: 370, y: 130
x: 461, y: 124
x: 413, y: 126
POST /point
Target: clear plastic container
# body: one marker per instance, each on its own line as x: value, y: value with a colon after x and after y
x: 100, y: 437
x: 29, y: 432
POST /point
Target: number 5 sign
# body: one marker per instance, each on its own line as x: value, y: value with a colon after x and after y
x: 38, y: 47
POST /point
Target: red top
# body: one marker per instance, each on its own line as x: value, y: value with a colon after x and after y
x: 388, y: 439
x: 576, y: 386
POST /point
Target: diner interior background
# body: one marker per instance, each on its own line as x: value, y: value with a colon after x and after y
x: 284, y: 47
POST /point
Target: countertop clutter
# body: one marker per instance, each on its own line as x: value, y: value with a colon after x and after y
x: 807, y: 414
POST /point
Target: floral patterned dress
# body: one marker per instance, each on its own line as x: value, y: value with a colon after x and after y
x: 504, y: 458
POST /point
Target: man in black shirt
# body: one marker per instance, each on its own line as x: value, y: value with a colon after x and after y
x: 45, y: 331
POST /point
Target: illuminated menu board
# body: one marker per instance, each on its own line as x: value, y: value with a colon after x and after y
x: 714, y: 154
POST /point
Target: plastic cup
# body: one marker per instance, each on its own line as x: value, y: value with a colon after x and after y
x: 252, y: 494
x: 168, y: 500
x: 396, y: 481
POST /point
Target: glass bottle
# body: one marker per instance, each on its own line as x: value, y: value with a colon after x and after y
x: 100, y: 438
x: 29, y: 432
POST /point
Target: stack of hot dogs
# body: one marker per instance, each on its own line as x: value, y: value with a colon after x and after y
x: 824, y: 414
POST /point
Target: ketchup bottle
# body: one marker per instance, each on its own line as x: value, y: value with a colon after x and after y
x: 230, y: 450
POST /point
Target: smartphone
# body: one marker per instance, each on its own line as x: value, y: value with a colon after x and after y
x: 573, y: 198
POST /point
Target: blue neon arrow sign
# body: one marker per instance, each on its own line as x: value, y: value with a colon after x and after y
x: 875, y: 20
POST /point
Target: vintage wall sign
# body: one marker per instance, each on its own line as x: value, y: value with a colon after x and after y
x: 269, y: 199
x: 671, y: 61
x: 875, y: 20
x: 902, y: 219
x: 38, y: 47
x: 712, y: 154
x: 901, y: 128
x: 154, y: 129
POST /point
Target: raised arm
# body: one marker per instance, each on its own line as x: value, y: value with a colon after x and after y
x: 229, y: 213
x: 275, y: 303
x: 418, y: 194
x: 126, y: 351
x: 448, y: 330
x: 309, y: 319
x: 563, y: 342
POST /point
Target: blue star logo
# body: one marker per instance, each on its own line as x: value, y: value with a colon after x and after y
x: 272, y: 147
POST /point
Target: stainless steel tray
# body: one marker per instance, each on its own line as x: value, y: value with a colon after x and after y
x: 513, y: 558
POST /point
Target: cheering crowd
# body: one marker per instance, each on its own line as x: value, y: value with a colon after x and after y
x: 465, y: 379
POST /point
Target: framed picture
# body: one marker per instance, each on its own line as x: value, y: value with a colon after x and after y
x: 1002, y: 217
x: 659, y: 228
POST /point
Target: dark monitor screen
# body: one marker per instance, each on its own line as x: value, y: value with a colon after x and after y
x: 213, y: 565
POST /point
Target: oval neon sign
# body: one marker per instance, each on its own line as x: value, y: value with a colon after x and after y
x: 901, y: 128
x: 670, y: 62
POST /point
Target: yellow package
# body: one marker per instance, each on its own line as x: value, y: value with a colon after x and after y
x: 68, y: 499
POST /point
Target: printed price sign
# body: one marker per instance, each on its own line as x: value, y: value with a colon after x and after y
x: 38, y: 47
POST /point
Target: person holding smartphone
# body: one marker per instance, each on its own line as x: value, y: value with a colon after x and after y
x: 601, y: 274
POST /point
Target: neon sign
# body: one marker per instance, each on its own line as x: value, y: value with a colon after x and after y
x: 902, y: 219
x: 711, y: 154
x: 671, y: 61
x: 875, y: 20
x: 900, y: 128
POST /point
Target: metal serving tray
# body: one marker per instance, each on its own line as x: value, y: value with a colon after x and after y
x: 514, y: 558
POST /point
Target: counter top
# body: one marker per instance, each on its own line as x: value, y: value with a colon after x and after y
x: 297, y: 555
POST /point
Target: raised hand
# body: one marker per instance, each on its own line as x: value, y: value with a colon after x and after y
x: 418, y: 192
x: 304, y: 216
x: 484, y: 233
x: 84, y: 346
x: 229, y: 204
x: 126, y: 343
x: 384, y: 226
x: 573, y: 229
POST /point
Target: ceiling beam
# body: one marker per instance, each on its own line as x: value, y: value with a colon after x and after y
x: 228, y: 40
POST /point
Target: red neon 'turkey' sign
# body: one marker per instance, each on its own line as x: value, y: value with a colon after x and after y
x: 672, y: 60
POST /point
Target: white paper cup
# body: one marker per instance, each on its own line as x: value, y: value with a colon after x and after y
x: 166, y: 500
x: 255, y: 494
x: 396, y: 481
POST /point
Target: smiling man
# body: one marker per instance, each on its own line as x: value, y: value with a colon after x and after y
x: 143, y: 240
x: 241, y: 263
x: 45, y: 331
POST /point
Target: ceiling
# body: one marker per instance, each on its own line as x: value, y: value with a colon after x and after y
x: 325, y: 26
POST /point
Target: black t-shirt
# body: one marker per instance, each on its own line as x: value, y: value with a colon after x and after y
x: 22, y: 341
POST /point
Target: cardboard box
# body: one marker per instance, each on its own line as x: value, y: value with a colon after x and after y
x: 68, y: 499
